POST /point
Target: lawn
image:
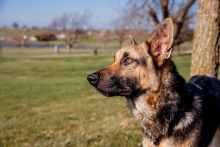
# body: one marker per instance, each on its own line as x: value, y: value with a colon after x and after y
x: 45, y: 100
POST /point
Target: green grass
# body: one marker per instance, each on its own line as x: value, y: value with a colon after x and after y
x: 45, y: 100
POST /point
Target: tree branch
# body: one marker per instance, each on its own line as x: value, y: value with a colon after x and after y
x: 180, y: 17
x: 152, y: 13
x: 164, y: 7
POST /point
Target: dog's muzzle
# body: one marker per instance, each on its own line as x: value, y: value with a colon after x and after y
x: 110, y: 85
x: 93, y: 78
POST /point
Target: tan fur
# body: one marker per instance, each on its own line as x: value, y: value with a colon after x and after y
x: 152, y: 100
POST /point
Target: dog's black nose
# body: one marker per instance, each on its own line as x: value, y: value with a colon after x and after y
x: 93, y: 78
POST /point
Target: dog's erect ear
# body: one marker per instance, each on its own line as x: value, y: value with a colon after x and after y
x: 133, y: 42
x: 161, y: 41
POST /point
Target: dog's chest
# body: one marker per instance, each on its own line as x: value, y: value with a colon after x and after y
x: 140, y: 108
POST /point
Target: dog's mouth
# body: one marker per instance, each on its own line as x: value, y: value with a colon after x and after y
x: 113, y: 91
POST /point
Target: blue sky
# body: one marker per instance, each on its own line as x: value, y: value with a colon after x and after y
x: 41, y: 12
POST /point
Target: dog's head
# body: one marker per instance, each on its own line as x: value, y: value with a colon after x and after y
x: 136, y: 68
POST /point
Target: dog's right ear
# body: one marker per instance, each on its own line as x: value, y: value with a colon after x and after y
x: 161, y: 41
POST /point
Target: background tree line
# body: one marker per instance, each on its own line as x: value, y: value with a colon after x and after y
x: 193, y: 20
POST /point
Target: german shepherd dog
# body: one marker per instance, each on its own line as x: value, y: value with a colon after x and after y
x: 171, y: 112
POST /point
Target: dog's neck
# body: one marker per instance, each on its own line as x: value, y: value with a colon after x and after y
x: 157, y: 110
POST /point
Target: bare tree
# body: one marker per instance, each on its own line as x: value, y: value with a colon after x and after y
x: 54, y: 25
x: 104, y: 37
x: 77, y: 23
x: 120, y: 26
x: 141, y: 11
x: 63, y: 21
x: 72, y: 25
x: 121, y: 33
x: 205, y: 53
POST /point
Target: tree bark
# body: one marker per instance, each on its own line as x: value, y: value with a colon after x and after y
x: 205, y: 40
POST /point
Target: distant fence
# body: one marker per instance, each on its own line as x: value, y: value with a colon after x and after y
x: 38, y: 45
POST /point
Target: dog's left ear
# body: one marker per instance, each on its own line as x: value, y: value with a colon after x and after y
x: 161, y: 41
x: 133, y: 42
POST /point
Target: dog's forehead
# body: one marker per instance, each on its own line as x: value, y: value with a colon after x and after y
x: 125, y: 50
x: 134, y: 51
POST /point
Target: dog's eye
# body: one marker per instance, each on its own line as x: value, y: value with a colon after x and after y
x: 128, y: 60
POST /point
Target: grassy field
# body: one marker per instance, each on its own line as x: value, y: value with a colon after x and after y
x: 45, y: 100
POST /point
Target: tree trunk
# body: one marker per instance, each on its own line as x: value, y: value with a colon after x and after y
x: 205, y: 39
